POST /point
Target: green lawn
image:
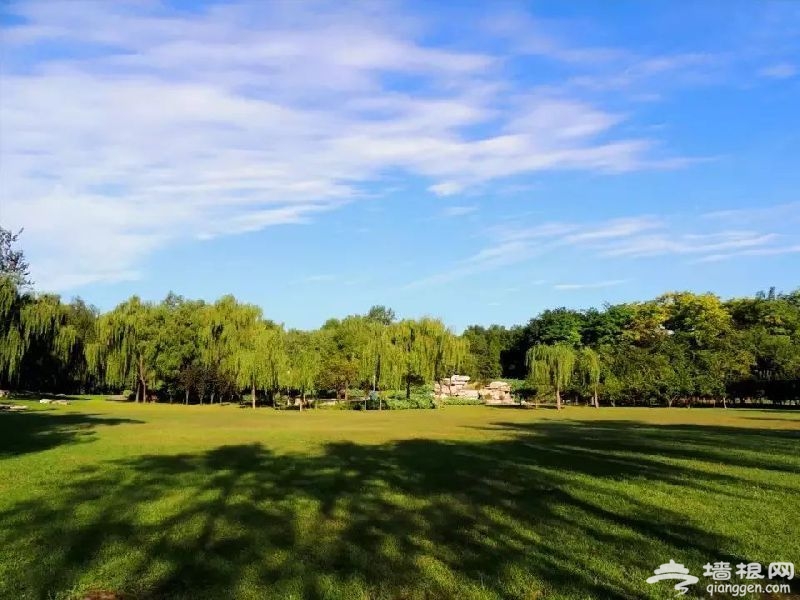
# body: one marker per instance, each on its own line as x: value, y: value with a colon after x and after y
x: 464, y: 502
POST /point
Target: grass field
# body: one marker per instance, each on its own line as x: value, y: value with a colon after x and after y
x: 162, y: 501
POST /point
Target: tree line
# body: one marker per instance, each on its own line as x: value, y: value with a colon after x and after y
x: 678, y: 348
x: 189, y: 351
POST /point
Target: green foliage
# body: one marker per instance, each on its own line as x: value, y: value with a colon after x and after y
x: 13, y: 265
x: 420, y: 397
x: 38, y: 329
x: 559, y: 326
x: 458, y: 401
x: 484, y: 361
x: 426, y: 351
x: 552, y: 366
x: 381, y: 314
x: 304, y: 356
x: 680, y: 347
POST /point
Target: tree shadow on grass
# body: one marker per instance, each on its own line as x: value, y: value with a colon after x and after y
x: 34, y: 431
x: 550, y: 510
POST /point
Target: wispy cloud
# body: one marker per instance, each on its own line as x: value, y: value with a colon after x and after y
x: 459, y: 210
x: 521, y: 245
x: 779, y: 71
x: 776, y: 213
x: 770, y: 251
x: 152, y: 125
x: 643, y: 237
x: 690, y: 243
x: 589, y: 286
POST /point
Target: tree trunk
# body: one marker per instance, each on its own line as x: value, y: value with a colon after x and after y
x: 724, y: 402
x: 408, y: 388
x: 558, y: 399
x: 346, y: 392
x: 253, y: 395
x: 186, y: 398
x: 141, y: 377
x: 380, y: 402
x: 596, y: 400
x: 302, y: 400
x: 212, y: 397
x: 138, y: 387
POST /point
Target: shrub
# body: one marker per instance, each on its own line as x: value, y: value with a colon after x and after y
x: 402, y: 403
x: 454, y: 400
x: 421, y: 397
x: 334, y: 406
x: 522, y: 389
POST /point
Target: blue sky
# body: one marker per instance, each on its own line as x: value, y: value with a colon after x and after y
x: 474, y: 161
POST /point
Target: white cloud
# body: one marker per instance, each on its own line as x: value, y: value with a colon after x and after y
x: 589, y: 286
x: 459, y: 210
x: 672, y: 242
x: 776, y: 213
x: 779, y: 71
x: 770, y: 251
x: 618, y: 228
x: 152, y: 125
x: 521, y: 245
x: 643, y: 237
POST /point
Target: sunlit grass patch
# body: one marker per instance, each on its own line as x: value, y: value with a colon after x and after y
x: 464, y: 502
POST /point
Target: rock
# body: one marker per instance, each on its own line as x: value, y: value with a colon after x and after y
x: 499, y: 385
x: 497, y: 392
x: 103, y: 595
x: 45, y: 401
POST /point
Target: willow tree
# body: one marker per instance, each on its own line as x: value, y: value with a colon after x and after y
x: 125, y: 347
x: 13, y: 342
x: 426, y: 350
x: 272, y: 349
x: 448, y: 352
x: 304, y: 359
x: 28, y: 321
x: 590, y: 370
x: 552, y: 365
x: 244, y: 349
x: 225, y: 335
x: 381, y: 357
x: 258, y: 357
